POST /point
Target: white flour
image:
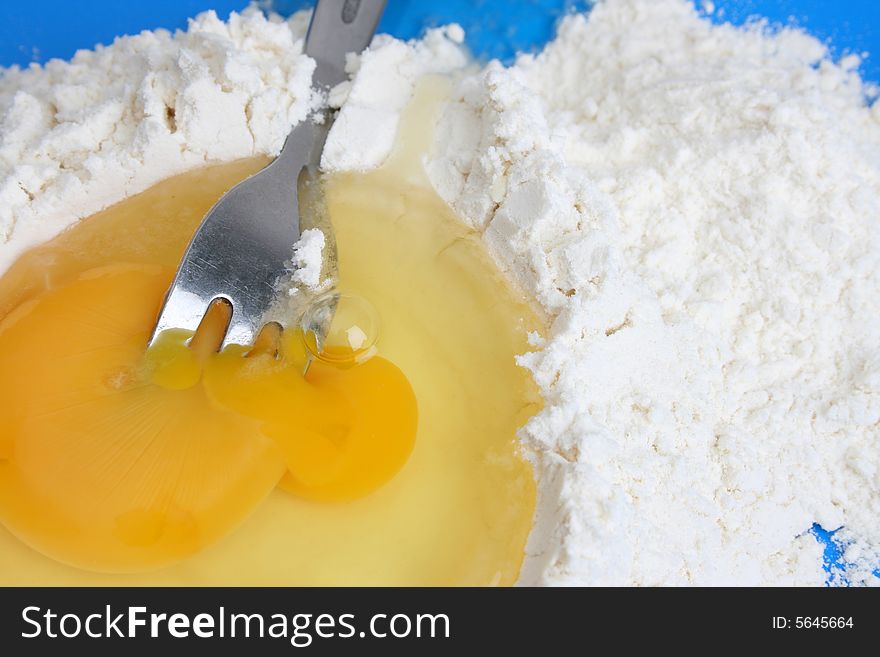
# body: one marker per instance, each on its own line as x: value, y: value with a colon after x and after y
x: 307, y: 260
x: 695, y: 207
x: 698, y: 208
x: 78, y: 136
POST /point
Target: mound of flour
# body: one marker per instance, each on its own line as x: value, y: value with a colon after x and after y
x: 696, y: 208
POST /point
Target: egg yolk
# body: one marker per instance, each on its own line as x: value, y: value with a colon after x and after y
x: 114, y: 459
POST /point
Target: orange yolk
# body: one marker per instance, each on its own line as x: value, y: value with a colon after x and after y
x: 114, y: 460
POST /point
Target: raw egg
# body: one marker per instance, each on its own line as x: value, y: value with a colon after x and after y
x: 119, y: 459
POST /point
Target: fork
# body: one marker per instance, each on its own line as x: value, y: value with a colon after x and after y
x: 243, y: 246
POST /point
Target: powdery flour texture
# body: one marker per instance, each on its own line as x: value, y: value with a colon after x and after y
x: 698, y: 210
x: 694, y: 207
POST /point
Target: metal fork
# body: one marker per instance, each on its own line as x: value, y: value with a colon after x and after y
x: 244, y: 244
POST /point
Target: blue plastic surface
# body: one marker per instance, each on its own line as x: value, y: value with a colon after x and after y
x: 38, y: 31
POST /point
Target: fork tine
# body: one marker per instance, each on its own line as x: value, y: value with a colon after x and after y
x: 182, y: 309
x: 242, y: 329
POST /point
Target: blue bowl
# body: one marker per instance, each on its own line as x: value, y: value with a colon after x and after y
x: 496, y: 28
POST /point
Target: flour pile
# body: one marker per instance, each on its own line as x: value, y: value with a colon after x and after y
x: 695, y: 207
x: 698, y: 209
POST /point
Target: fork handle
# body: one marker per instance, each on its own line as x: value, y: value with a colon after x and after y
x: 339, y: 27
